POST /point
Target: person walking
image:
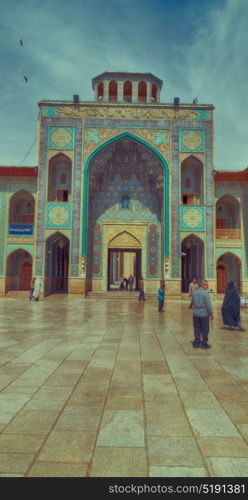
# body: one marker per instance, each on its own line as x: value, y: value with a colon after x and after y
x: 141, y: 289
x: 161, y: 296
x: 37, y: 287
x: 231, y: 308
x: 202, y: 312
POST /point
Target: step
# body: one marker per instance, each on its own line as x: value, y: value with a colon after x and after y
x: 18, y: 293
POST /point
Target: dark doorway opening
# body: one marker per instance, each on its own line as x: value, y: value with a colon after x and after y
x: 123, y: 262
x: 57, y: 262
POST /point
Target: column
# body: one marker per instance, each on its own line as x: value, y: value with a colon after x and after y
x: 105, y: 90
x: 149, y: 92
x: 135, y: 91
x: 120, y: 85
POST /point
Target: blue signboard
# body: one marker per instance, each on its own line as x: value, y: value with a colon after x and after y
x: 21, y: 229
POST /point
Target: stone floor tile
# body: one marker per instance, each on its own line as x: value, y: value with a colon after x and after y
x: 160, y: 471
x: 223, y: 447
x: 84, y: 418
x: 155, y: 367
x: 56, y: 393
x: 173, y: 451
x: 68, y: 446
x: 119, y: 462
x: 50, y: 469
x: 199, y: 400
x: 15, y: 462
x: 44, y: 405
x: 122, y: 428
x: 121, y: 399
x: 13, y: 443
x: 211, y: 422
x: 166, y: 419
x: 228, y: 466
x: 32, y: 422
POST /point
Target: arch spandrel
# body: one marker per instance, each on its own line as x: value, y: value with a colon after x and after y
x: 97, y: 139
x: 124, y: 240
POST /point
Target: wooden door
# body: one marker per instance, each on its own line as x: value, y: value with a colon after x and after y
x: 221, y: 278
x: 25, y: 275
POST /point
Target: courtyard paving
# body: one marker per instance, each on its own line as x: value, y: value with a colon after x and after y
x: 114, y: 388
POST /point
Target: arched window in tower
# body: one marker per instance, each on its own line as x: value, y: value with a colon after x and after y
x: 154, y: 93
x: 142, y: 92
x: 59, y: 179
x: 100, y: 91
x: 127, y: 91
x: 113, y: 91
x: 192, y: 182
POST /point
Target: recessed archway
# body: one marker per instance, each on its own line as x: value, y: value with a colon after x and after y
x: 127, y: 181
x: 57, y: 263
x: 19, y: 270
x: 228, y: 269
x: 59, y: 178
x: 192, y: 255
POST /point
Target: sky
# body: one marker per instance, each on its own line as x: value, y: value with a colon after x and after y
x: 199, y: 48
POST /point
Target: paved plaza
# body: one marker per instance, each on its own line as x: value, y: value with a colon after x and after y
x: 110, y: 388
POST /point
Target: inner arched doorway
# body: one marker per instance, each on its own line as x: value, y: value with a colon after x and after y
x: 127, y: 187
x: 192, y: 252
x: 124, y: 260
x: 57, y: 263
x: 18, y: 270
x: 228, y: 269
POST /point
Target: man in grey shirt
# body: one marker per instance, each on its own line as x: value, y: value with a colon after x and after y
x: 202, y: 311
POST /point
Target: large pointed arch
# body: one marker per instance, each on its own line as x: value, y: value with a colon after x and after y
x: 166, y: 187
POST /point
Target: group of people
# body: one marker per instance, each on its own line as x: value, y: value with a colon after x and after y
x: 127, y: 283
x: 202, y: 311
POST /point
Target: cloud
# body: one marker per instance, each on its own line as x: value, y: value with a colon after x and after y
x: 196, y: 48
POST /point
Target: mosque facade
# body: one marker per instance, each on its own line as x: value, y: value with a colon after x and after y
x: 124, y: 185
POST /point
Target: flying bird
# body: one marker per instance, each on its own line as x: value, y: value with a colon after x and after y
x: 21, y: 42
x: 25, y: 78
x: 195, y: 101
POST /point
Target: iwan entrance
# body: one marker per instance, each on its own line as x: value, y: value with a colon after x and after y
x: 121, y: 264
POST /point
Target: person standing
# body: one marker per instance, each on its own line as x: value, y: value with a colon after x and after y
x: 37, y: 287
x: 31, y: 288
x: 141, y: 289
x: 161, y: 296
x: 192, y: 286
x: 202, y: 312
x: 131, y: 282
x: 231, y: 308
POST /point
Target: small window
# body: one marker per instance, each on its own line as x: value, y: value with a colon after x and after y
x: 125, y: 202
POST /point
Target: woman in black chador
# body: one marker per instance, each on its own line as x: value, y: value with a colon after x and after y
x: 231, y: 308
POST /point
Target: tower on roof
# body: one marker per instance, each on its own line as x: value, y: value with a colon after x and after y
x: 127, y: 87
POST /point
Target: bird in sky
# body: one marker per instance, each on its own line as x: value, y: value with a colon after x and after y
x: 25, y: 78
x: 195, y: 101
x: 21, y: 42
